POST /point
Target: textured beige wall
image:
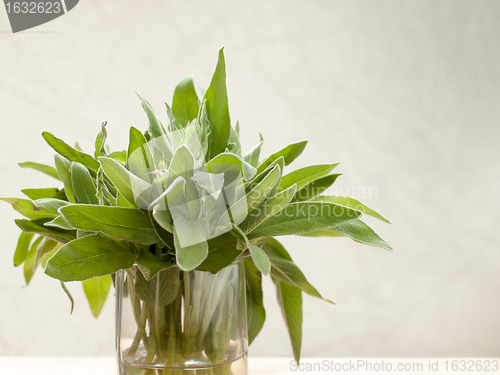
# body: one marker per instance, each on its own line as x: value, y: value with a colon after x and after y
x: 404, y: 93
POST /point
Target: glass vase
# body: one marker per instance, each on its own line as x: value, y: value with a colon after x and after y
x: 181, y: 323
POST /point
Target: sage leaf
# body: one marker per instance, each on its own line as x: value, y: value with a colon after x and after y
x: 125, y: 223
x: 256, y: 314
x: 140, y: 159
x: 59, y: 222
x: 304, y: 217
x: 45, y: 169
x: 30, y: 262
x: 218, y: 108
x: 70, y: 153
x: 284, y: 269
x: 97, y: 290
x: 304, y: 175
x: 234, y: 144
x: 63, y: 167
x: 290, y: 302
x: 357, y: 230
x: 37, y: 227
x: 133, y: 188
x: 259, y: 257
x: 314, y: 188
x: 210, y: 182
x: 267, y: 209
x: 63, y: 286
x: 22, y: 248
x: 88, y: 257
x: 46, y: 246
x: 156, y: 128
x: 289, y: 154
x: 119, y: 156
x: 252, y: 156
x: 100, y: 141
x: 39, y: 209
x: 38, y: 193
x: 83, y: 186
x: 352, y: 203
x: 263, y: 189
x: 190, y: 241
x: 182, y: 163
x: 150, y: 265
x: 225, y: 162
x: 185, y: 102
x: 222, y: 253
x: 161, y: 290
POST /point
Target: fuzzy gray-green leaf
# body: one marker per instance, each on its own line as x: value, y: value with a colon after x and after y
x: 185, y: 102
x: 45, y: 169
x: 89, y: 256
x: 125, y: 223
x: 218, y: 108
x: 97, y: 290
x: 304, y: 217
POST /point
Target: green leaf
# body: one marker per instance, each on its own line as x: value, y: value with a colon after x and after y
x: 263, y: 189
x: 353, y: 203
x: 83, y: 186
x: 290, y: 301
x: 69, y: 152
x: 38, y: 193
x: 30, y: 262
x: 63, y: 286
x: 267, y: 210
x: 119, y: 156
x: 140, y: 158
x: 357, y: 230
x: 88, y: 257
x: 191, y: 246
x: 46, y: 169
x: 150, y: 265
x: 183, y: 162
x: 304, y: 175
x: 185, y: 102
x: 252, y: 156
x: 314, y: 188
x: 63, y: 167
x: 289, y: 153
x: 210, y: 182
x: 156, y: 128
x: 226, y: 161
x: 256, y: 314
x: 47, y: 246
x: 36, y: 227
x: 100, y: 141
x: 234, y: 144
x: 59, y: 222
x: 22, y: 248
x: 259, y: 257
x: 125, y: 223
x: 39, y: 209
x: 133, y: 188
x: 218, y: 108
x: 304, y: 217
x: 222, y: 253
x: 97, y: 290
x: 161, y: 290
x: 284, y: 269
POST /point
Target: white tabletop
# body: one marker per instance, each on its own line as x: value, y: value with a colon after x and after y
x: 107, y: 366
